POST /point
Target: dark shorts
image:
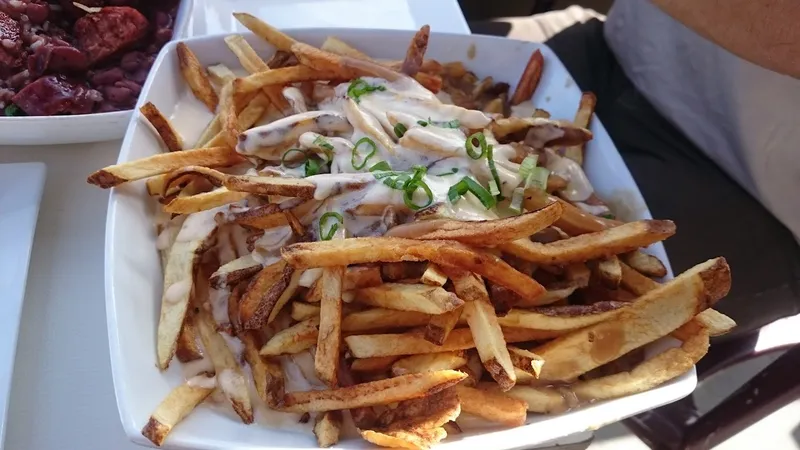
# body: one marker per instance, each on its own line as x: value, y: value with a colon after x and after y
x: 714, y: 215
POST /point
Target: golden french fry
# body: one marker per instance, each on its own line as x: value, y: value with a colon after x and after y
x: 326, y: 360
x: 645, y: 264
x: 564, y: 318
x: 295, y: 339
x: 573, y: 220
x: 379, y: 364
x: 414, y: 440
x: 272, y: 215
x: 655, y: 314
x: 265, y: 31
x: 357, y: 277
x: 196, y: 77
x: 541, y: 132
x: 302, y: 311
x: 163, y: 127
x: 530, y: 78
x: 186, y: 349
x: 444, y: 253
x: 327, y: 428
x: 528, y: 362
x: 230, y: 377
x: 162, y: 163
x: 429, y: 362
x: 267, y: 373
x: 267, y: 293
x: 252, y: 63
x: 416, y: 51
x: 287, y: 187
x: 235, y: 271
x: 440, y: 325
x: 173, y: 409
x: 409, y: 297
x: 433, y: 276
x: 608, y: 271
x: 381, y: 392
x: 583, y: 118
x: 283, y: 76
x: 228, y: 119
x: 382, y: 319
x: 493, y: 406
x: 219, y: 74
x: 203, y: 201
x: 588, y: 246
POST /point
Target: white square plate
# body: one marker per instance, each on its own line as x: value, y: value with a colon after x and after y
x: 133, y: 272
x: 21, y: 188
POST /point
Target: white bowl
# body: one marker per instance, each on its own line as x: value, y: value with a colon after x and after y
x: 51, y: 130
x: 134, y: 279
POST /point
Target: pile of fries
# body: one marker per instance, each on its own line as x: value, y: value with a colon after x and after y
x: 425, y: 314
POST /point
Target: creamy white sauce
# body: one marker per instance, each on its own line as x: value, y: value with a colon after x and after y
x: 596, y: 210
x: 288, y: 130
x: 231, y: 381
x: 199, y: 225
x: 178, y: 291
x: 524, y: 109
x: 295, y: 98
x: 218, y: 298
x: 578, y: 186
x: 202, y: 381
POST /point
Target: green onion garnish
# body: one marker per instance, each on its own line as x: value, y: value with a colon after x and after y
x: 326, y: 146
x: 335, y: 226
x: 14, y: 110
x: 467, y: 184
x: 408, y: 194
x: 537, y: 178
x: 527, y: 166
x: 311, y: 167
x: 380, y: 167
x: 359, y: 87
x: 493, y: 169
x: 293, y: 164
x: 471, y: 147
x: 422, y: 123
x: 516, y: 200
x: 400, y: 130
x: 455, y: 123
x: 367, y: 142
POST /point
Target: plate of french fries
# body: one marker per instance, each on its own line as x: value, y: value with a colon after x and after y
x: 364, y: 238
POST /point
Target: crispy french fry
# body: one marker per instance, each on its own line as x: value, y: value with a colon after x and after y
x: 416, y: 423
x: 484, y: 233
x: 528, y: 362
x: 287, y: 187
x: 409, y: 297
x: 440, y: 325
x: 330, y: 327
x: 162, y: 163
x: 382, y: 319
x: 381, y: 392
x: 272, y: 215
x: 265, y: 31
x: 583, y: 118
x: 230, y: 377
x: 645, y: 264
x: 379, y: 364
x: 267, y: 293
x: 655, y: 314
x: 444, y: 253
x: 173, y: 409
x: 593, y: 245
x: 169, y: 136
x: 433, y: 276
x: 228, y: 120
x: 416, y: 51
x: 495, y: 407
x: 327, y: 428
x: 235, y: 271
x: 429, y: 362
x: 294, y: 339
x: 608, y: 271
x: 364, y: 276
x: 219, y: 74
x: 186, y: 349
x: 570, y: 317
x: 203, y: 201
x: 196, y: 77
x: 573, y: 220
x: 267, y: 373
x: 530, y: 78
x: 541, y: 132
x: 418, y: 439
x: 302, y: 311
x: 398, y: 271
x: 372, y: 345
x: 541, y: 113
x: 252, y: 63
x: 485, y: 328
x: 549, y: 297
x: 286, y: 75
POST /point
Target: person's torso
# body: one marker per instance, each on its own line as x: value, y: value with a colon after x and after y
x: 742, y: 116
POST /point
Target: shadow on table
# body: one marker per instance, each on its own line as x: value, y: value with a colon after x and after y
x: 796, y: 434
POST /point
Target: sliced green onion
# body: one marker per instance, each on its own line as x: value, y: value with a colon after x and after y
x: 527, y: 165
x: 537, y: 178
x: 312, y: 167
x: 455, y: 123
x: 422, y: 123
x: 400, y: 130
x: 13, y: 110
x: 327, y: 236
x: 451, y: 172
x: 293, y: 164
x: 516, y: 200
x: 471, y: 147
x: 408, y: 194
x: 367, y: 142
x: 467, y: 184
x: 359, y: 87
x: 608, y: 215
x: 326, y: 146
x: 380, y: 167
x: 493, y: 169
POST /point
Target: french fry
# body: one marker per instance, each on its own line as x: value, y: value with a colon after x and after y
x: 265, y: 31
x: 440, y: 325
x: 645, y: 264
x: 228, y: 120
x: 418, y: 439
x: 562, y: 318
x: 544, y: 400
x: 379, y: 364
x: 655, y: 314
x: 230, y: 377
x: 573, y: 220
x: 169, y: 136
x: 267, y: 293
x: 327, y: 428
x: 541, y: 132
x: 583, y: 118
x: 357, y: 277
x: 203, y: 201
x: 162, y: 163
x: 186, y: 349
x: 485, y: 328
x: 416, y: 423
x: 528, y: 362
x: 295, y: 339
x: 330, y: 328
x: 484, y: 233
x: 252, y: 63
x: 495, y: 407
x: 541, y: 113
x: 608, y: 271
x: 429, y: 362
x: 433, y: 276
x: 235, y: 272
x: 287, y: 187
x: 588, y: 246
x: 179, y: 280
x: 372, y: 345
x: 267, y: 373
x: 196, y: 77
x: 409, y: 297
x: 382, y: 319
x: 302, y: 311
x: 173, y: 409
x: 219, y: 74
x: 530, y: 78
x: 444, y: 253
x: 272, y: 215
x: 398, y: 271
x: 381, y: 392
x: 286, y: 75
x: 549, y: 297
x: 416, y: 51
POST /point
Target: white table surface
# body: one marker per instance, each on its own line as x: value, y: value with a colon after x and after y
x: 62, y: 394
